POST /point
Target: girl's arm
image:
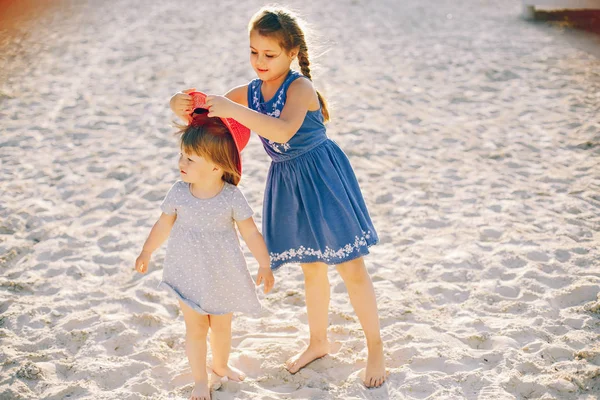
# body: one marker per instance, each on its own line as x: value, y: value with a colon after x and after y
x: 159, y: 233
x: 181, y: 104
x: 300, y: 96
x: 239, y: 95
x: 255, y: 242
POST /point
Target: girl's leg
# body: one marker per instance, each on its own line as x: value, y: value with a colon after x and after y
x: 220, y: 344
x: 316, y: 286
x: 196, y: 328
x: 362, y: 296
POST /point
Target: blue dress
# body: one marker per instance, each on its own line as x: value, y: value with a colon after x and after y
x: 313, y: 208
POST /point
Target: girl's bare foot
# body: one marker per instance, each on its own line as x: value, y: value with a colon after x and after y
x: 230, y: 372
x: 200, y: 391
x: 375, y: 373
x: 314, y: 351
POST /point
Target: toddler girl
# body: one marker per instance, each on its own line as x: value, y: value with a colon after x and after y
x: 204, y: 266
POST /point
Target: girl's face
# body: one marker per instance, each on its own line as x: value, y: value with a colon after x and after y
x: 268, y: 59
x: 194, y: 168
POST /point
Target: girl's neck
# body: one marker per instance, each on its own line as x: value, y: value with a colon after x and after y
x: 206, y: 189
x: 274, y: 84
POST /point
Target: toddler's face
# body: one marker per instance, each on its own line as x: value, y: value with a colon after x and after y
x: 194, y: 168
x: 268, y: 59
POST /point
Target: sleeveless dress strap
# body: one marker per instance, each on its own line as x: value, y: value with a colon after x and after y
x: 274, y: 106
x: 292, y: 76
x: 278, y: 100
x: 253, y: 94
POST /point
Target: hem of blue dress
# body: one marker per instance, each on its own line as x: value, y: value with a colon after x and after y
x: 196, y: 307
x: 361, y: 253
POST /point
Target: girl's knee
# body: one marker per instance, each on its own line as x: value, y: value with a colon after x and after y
x: 220, y: 325
x: 353, y: 272
x: 197, y: 330
x: 314, y: 271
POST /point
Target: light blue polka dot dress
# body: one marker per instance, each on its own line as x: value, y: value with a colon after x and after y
x: 204, y: 265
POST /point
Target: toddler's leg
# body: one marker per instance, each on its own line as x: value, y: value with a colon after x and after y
x: 220, y: 344
x: 362, y: 296
x: 196, y: 328
x: 316, y: 286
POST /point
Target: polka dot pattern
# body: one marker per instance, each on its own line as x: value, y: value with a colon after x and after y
x: 205, y: 266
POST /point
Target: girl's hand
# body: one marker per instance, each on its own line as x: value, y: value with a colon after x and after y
x: 220, y: 106
x: 181, y: 103
x: 265, y: 275
x: 142, y: 262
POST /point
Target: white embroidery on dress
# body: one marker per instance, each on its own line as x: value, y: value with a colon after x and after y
x: 278, y: 147
x: 326, y: 255
x: 279, y: 100
x: 255, y: 98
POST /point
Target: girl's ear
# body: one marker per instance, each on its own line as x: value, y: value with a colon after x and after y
x: 216, y: 168
x: 293, y: 53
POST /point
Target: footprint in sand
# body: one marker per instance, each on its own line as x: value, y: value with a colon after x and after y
x: 562, y: 255
x: 488, y: 235
x: 513, y: 262
x: 574, y: 295
x: 538, y: 256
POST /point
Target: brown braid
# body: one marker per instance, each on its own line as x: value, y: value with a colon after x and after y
x: 305, y: 69
x: 304, y: 62
x: 285, y: 26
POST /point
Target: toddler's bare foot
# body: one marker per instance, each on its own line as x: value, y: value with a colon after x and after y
x: 375, y: 373
x: 200, y: 391
x: 315, y: 350
x: 230, y: 372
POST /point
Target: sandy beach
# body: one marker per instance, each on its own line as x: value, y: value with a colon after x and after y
x: 475, y: 136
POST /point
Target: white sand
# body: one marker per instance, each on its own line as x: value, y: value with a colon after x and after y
x: 474, y: 136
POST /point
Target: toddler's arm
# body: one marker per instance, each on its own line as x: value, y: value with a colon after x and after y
x: 159, y: 233
x: 255, y: 242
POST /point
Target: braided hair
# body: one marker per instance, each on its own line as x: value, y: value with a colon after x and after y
x: 286, y: 27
